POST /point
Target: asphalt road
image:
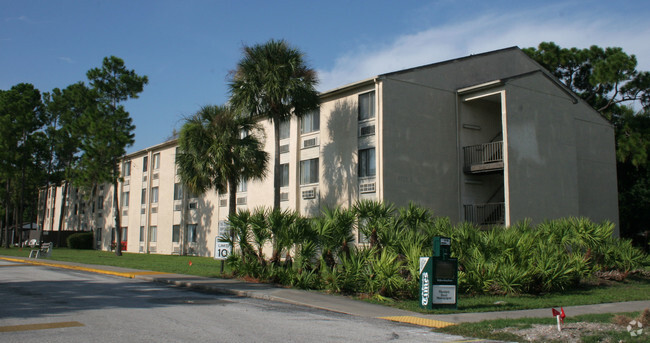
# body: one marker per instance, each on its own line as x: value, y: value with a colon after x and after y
x: 43, y: 304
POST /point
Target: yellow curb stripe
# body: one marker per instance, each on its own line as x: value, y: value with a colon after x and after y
x: 419, y: 321
x: 129, y: 275
x: 29, y: 327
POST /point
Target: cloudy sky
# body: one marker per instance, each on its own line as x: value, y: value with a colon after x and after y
x: 187, y: 48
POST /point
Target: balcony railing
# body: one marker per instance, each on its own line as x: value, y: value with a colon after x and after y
x: 486, y: 214
x: 483, y: 157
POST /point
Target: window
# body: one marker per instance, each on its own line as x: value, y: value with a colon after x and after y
x: 126, y: 169
x: 367, y: 162
x: 154, y: 195
x: 144, y: 196
x: 285, y: 129
x: 309, y: 171
x: 367, y: 105
x: 178, y: 191
x: 152, y: 233
x: 176, y: 233
x: 141, y: 233
x: 156, y: 161
x: 310, y: 122
x: 242, y: 186
x: 145, y: 163
x: 125, y: 199
x: 284, y: 175
x: 224, y: 230
x: 191, y: 233
x: 100, y: 203
x: 124, y: 232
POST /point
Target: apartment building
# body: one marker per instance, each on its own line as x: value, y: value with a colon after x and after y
x: 490, y: 138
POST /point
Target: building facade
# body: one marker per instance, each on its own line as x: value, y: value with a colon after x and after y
x: 490, y: 138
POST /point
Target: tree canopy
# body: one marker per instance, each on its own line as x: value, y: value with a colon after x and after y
x: 272, y: 80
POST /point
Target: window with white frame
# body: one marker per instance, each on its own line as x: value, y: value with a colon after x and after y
x: 367, y: 162
x: 178, y: 191
x: 285, y: 128
x: 100, y: 203
x: 125, y: 230
x: 145, y: 163
x: 367, y: 105
x: 309, y: 171
x: 154, y: 195
x: 141, y: 233
x: 125, y: 199
x: 284, y: 175
x: 156, y: 161
x: 126, y: 169
x: 191, y: 233
x: 176, y: 233
x: 242, y: 186
x: 310, y: 122
x: 153, y: 230
x: 143, y: 196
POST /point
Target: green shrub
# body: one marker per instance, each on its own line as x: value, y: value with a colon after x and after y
x: 81, y: 240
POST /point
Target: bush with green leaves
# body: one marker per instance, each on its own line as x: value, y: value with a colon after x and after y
x: 319, y: 253
x: 81, y: 240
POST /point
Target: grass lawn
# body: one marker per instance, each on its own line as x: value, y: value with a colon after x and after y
x: 486, y: 329
x: 201, y: 266
x: 633, y: 288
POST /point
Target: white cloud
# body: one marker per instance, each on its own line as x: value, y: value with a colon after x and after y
x: 491, y: 32
x: 65, y: 59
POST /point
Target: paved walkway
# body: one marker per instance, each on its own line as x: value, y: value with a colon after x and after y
x: 328, y: 302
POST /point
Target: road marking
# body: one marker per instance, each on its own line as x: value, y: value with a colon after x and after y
x: 130, y: 275
x: 43, y: 326
x: 419, y: 321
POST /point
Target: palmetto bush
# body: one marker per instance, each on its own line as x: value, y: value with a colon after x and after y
x: 319, y: 253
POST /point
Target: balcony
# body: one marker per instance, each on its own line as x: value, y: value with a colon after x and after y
x: 483, y: 158
x: 485, y: 214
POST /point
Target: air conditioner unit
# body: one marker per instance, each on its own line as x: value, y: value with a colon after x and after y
x: 308, y: 143
x: 126, y: 182
x: 143, y: 211
x: 309, y: 193
x: 284, y: 148
x: 141, y: 249
x: 284, y: 196
x: 125, y: 213
x: 241, y: 201
x: 154, y: 210
x: 223, y: 202
x: 177, y: 207
x: 144, y: 178
x: 367, y: 130
x: 152, y: 249
x: 155, y: 176
x: 367, y: 188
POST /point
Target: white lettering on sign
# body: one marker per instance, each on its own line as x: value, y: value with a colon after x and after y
x: 444, y: 294
x: 221, y: 249
x: 445, y: 241
x: 425, y: 289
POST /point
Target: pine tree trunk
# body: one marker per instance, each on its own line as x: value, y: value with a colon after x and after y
x: 7, y: 201
x: 116, y: 212
x: 62, y: 213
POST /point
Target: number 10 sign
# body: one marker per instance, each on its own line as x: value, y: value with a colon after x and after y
x: 221, y: 249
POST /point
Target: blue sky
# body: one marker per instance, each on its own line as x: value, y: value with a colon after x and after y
x: 187, y: 48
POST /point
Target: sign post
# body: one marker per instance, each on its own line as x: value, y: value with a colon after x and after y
x: 221, y: 251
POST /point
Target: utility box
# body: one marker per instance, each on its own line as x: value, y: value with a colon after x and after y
x: 439, y: 277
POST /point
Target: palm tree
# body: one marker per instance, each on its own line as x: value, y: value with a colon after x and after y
x: 273, y: 81
x: 219, y: 148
